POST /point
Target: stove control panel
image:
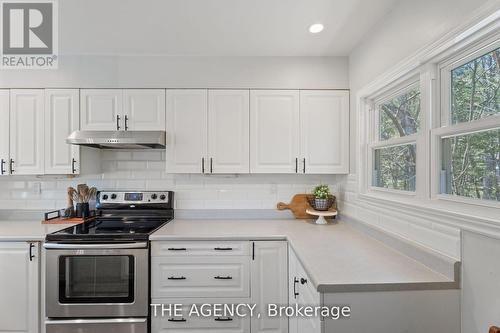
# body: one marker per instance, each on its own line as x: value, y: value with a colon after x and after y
x: 132, y: 197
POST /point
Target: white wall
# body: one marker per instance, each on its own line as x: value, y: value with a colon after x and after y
x: 96, y: 71
x: 411, y: 26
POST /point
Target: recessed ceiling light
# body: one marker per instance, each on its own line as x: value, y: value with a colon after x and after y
x: 315, y: 28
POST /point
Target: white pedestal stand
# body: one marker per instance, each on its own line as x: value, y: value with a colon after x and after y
x: 321, y: 215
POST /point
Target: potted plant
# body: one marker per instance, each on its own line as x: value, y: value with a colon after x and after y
x: 322, y: 197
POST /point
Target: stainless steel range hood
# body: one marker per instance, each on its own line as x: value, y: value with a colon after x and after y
x: 118, y: 139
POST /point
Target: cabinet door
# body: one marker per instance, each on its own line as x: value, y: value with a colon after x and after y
x: 324, y: 128
x: 27, y: 131
x: 62, y: 116
x: 274, y: 131
x: 19, y: 287
x: 187, y: 131
x: 4, y: 132
x: 144, y: 109
x: 269, y: 284
x: 101, y: 109
x: 228, y: 130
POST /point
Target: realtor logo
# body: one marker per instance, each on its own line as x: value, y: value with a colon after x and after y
x: 29, y: 34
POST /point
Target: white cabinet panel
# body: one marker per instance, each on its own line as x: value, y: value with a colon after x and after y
x: 302, y: 293
x: 19, y: 288
x: 200, y: 248
x: 324, y: 131
x: 4, y: 132
x: 168, y: 323
x: 144, y: 109
x: 274, y: 131
x: 228, y: 131
x: 62, y: 116
x: 27, y: 131
x: 200, y: 276
x: 101, y: 109
x: 186, y: 131
x: 269, y: 284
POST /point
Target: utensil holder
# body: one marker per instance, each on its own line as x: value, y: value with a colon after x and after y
x: 82, y: 210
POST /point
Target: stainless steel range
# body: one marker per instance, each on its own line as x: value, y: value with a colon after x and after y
x: 97, y: 273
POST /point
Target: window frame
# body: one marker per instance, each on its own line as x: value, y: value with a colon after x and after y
x: 444, y: 128
x: 374, y: 141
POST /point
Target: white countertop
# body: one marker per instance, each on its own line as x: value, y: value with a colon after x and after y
x: 337, y: 257
x: 22, y: 230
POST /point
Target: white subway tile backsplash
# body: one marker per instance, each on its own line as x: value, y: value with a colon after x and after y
x: 137, y: 170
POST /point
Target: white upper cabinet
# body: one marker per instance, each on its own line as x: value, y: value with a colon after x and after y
x: 144, y: 109
x: 102, y: 110
x: 228, y: 131
x: 186, y: 131
x: 274, y: 131
x: 324, y: 128
x: 62, y: 116
x: 19, y: 287
x: 4, y: 132
x: 27, y: 131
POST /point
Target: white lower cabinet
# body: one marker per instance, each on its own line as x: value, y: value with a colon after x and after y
x: 19, y: 287
x: 302, y: 293
x: 219, y: 272
x: 4, y: 132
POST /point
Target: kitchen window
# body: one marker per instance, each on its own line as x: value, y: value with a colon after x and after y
x: 468, y: 141
x: 397, y: 125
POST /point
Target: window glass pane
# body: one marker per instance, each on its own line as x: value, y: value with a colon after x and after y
x: 471, y: 165
x: 395, y: 167
x: 474, y: 88
x: 400, y: 116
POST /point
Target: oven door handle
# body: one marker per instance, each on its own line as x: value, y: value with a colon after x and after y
x: 97, y: 321
x: 64, y: 246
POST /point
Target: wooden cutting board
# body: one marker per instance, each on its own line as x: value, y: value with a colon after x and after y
x: 61, y: 220
x: 298, y: 206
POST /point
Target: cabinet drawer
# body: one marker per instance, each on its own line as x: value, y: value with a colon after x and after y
x: 200, y: 276
x: 200, y: 248
x: 211, y: 324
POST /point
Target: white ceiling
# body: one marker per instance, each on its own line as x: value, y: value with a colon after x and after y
x: 216, y: 27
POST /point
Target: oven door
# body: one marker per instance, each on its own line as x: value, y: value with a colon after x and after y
x: 97, y: 280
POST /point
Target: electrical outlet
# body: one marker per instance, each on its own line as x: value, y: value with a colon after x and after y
x: 37, y: 188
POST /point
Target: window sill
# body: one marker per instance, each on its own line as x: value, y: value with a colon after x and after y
x: 476, y: 218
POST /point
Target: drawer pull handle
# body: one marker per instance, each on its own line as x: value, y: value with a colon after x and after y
x: 223, y: 277
x: 223, y: 319
x: 177, y: 249
x: 177, y: 278
x: 177, y: 320
x: 223, y: 248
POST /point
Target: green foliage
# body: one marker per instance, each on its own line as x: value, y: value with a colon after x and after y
x: 472, y: 162
x: 321, y: 192
x: 400, y: 116
x: 395, y: 167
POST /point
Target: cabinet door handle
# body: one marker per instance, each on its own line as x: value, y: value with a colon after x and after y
x: 211, y: 165
x: 177, y: 320
x: 203, y: 165
x: 73, y: 162
x: 304, y: 161
x: 296, y: 165
x: 223, y: 248
x: 2, y: 170
x: 176, y: 278
x: 126, y: 123
x: 303, y: 281
x: 295, y: 281
x: 223, y: 277
x: 31, y: 251
x: 177, y: 249
x: 117, y: 122
x: 223, y: 319
x: 11, y: 166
